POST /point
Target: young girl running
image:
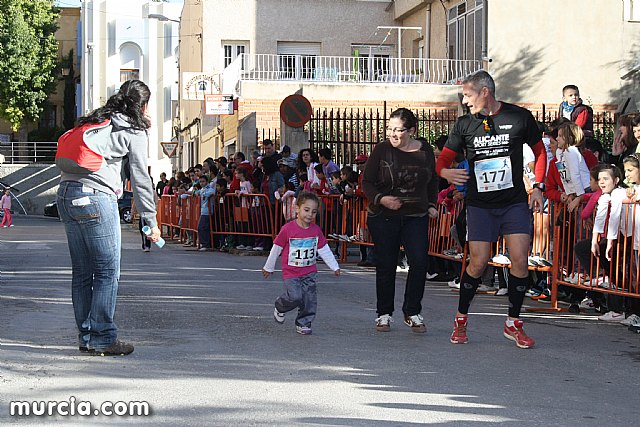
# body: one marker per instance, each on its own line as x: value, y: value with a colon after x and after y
x: 301, y: 240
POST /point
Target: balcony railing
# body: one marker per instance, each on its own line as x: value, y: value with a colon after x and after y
x: 28, y: 152
x: 347, y: 69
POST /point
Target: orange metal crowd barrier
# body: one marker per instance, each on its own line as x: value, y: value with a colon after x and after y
x: 249, y: 215
x: 554, y: 235
x: 253, y: 215
x: 620, y: 276
x: 356, y: 220
x: 441, y: 241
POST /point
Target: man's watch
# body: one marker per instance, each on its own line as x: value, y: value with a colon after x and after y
x: 540, y: 186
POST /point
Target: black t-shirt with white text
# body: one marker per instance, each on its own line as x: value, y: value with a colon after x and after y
x: 494, y: 149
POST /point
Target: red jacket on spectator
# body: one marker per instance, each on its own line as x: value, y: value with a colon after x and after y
x: 235, y: 183
x: 589, y: 158
x: 582, y: 115
x: 359, y: 191
x: 449, y: 203
x: 553, y: 183
x: 592, y: 203
x: 324, y: 188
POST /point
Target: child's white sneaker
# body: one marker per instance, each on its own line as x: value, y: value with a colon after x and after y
x: 279, y: 317
x: 611, y: 316
x: 303, y: 330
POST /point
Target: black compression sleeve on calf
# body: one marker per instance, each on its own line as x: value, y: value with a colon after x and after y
x: 468, y: 287
x: 517, y: 287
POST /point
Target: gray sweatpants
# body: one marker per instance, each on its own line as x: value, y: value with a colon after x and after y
x: 300, y: 293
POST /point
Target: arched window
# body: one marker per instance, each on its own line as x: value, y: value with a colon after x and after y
x: 130, y: 61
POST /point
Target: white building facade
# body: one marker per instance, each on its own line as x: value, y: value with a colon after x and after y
x: 120, y: 42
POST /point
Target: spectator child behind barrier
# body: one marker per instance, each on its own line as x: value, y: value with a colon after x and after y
x: 257, y: 219
x: 334, y: 208
x: 321, y: 188
x: 348, y: 179
x: 244, y: 242
x: 609, y: 180
x: 624, y: 140
x: 287, y: 197
x: 632, y: 214
x: 573, y: 109
x: 626, y: 213
x: 221, y: 192
x: 204, y: 225
x: 336, y: 182
x: 621, y: 231
x: 303, y: 182
x: 571, y: 165
x: 182, y: 198
x: 301, y: 241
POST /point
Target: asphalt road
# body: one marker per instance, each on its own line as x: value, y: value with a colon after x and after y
x: 208, y: 351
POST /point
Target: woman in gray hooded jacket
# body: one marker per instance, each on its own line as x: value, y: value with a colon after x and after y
x: 88, y: 207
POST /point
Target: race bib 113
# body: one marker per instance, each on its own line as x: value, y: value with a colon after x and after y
x: 302, y: 252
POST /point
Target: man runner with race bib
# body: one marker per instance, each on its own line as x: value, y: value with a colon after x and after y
x: 493, y: 134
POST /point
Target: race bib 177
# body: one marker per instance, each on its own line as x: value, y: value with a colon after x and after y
x: 493, y: 174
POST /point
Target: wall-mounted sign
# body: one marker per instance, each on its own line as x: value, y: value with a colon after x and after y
x: 169, y: 148
x: 196, y: 85
x: 217, y: 105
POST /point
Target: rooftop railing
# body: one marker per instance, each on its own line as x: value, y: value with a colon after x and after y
x: 347, y: 69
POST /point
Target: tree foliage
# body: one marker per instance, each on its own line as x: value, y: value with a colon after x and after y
x: 28, y: 58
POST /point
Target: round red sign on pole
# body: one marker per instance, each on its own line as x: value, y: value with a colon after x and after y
x: 295, y: 110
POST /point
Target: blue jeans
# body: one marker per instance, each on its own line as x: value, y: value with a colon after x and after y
x: 388, y: 234
x: 92, y: 224
x: 300, y: 293
x: 204, y: 231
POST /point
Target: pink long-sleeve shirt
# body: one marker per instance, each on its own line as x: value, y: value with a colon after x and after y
x: 5, y: 202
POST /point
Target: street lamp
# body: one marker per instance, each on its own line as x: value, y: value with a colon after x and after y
x: 162, y: 18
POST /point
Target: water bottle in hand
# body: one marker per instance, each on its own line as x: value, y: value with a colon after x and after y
x: 147, y: 231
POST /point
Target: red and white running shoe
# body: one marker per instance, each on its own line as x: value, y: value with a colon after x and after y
x: 459, y: 335
x: 517, y: 334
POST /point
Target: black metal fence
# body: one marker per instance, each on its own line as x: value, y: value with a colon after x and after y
x: 604, y: 123
x: 351, y: 132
